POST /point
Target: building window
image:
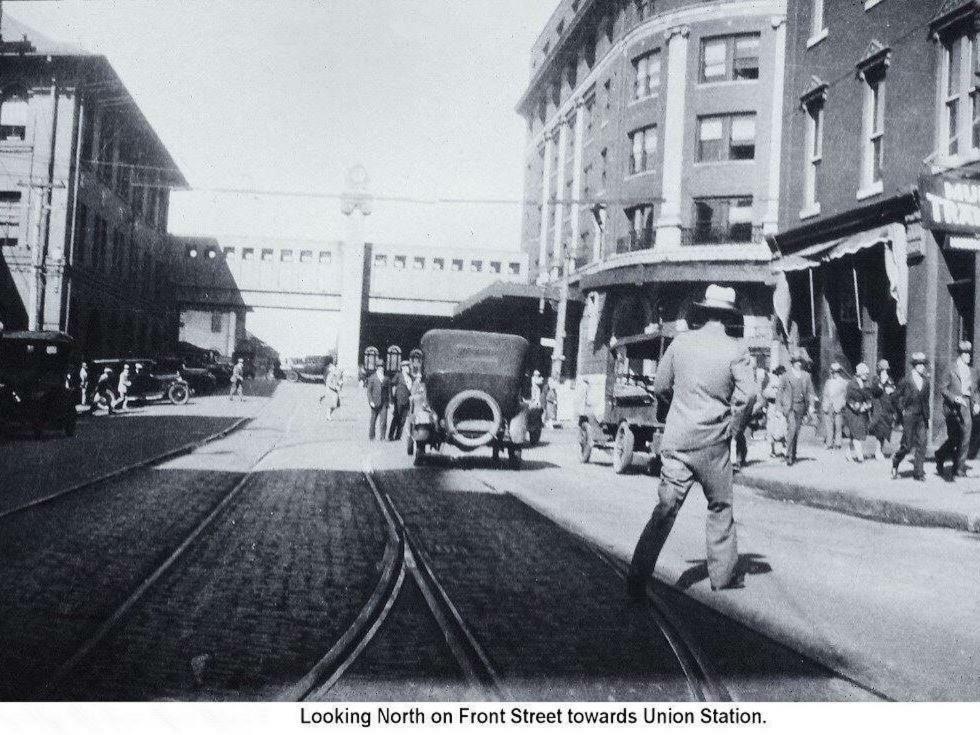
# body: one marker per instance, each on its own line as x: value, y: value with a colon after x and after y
x: 438, y: 264
x: 873, y: 127
x: 229, y: 253
x: 730, y: 58
x: 476, y: 266
x: 642, y: 233
x: 814, y: 151
x: 961, y: 128
x: 495, y: 266
x: 399, y: 263
x: 13, y: 116
x: 326, y: 257
x: 9, y: 218
x: 726, y: 138
x: 418, y: 264
x: 644, y: 143
x: 646, y: 75
x: 248, y: 253
x: 266, y: 255
x: 286, y: 256
x: 457, y: 264
x: 305, y: 256
x: 722, y: 220
x: 217, y: 322
x: 514, y: 268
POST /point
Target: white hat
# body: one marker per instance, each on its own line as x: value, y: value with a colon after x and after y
x: 718, y: 297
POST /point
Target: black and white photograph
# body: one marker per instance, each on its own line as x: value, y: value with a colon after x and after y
x: 523, y: 362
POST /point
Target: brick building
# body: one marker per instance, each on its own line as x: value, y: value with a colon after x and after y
x: 84, y: 193
x: 880, y: 95
x: 652, y: 161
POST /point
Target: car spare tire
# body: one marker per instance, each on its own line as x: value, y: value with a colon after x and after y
x: 473, y: 433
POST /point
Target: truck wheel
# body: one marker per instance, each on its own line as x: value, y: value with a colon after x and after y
x: 586, y: 442
x: 178, y: 394
x: 622, y: 453
x: 514, y: 458
x: 419, y: 454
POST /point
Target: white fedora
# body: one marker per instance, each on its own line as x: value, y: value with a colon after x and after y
x: 719, y: 298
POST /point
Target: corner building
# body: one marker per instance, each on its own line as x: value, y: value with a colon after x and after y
x: 652, y: 165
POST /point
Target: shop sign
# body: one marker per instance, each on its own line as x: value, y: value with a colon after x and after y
x: 950, y: 204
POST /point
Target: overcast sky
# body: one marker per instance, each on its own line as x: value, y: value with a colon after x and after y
x: 288, y: 94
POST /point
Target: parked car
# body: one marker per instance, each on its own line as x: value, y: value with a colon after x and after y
x: 471, y: 397
x: 630, y: 418
x: 152, y: 380
x: 200, y: 379
x: 307, y: 370
x: 37, y: 379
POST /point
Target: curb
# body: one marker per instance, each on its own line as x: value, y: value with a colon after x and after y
x: 874, y: 509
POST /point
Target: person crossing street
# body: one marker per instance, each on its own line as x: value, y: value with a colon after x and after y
x: 961, y: 402
x: 237, y: 381
x: 709, y: 375
x: 796, y: 401
x: 912, y: 401
x: 401, y: 395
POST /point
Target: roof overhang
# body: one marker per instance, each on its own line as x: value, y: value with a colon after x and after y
x: 678, y: 272
x: 506, y: 290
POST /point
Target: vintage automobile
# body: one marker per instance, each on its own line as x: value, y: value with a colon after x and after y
x: 37, y: 379
x: 630, y: 418
x: 471, y: 397
x: 308, y: 369
x: 152, y: 380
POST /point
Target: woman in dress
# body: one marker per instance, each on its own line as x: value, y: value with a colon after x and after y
x: 883, y: 409
x: 857, y: 411
x: 333, y: 382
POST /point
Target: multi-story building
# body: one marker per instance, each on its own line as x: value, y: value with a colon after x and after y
x: 84, y: 193
x: 877, y: 231
x: 652, y: 164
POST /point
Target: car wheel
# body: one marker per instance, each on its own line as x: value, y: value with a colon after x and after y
x: 419, y: 454
x: 622, y: 453
x: 586, y: 442
x: 178, y: 394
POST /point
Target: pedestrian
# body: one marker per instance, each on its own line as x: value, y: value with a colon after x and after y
x: 401, y: 396
x: 122, y: 392
x: 775, y: 419
x: 857, y: 410
x: 832, y: 406
x: 550, y: 392
x: 83, y: 383
x: 912, y: 402
x: 333, y: 382
x: 796, y: 399
x: 761, y: 379
x: 537, y: 383
x: 103, y: 392
x: 237, y: 381
x: 710, y: 378
x: 882, y: 419
x: 377, y: 391
x: 960, y: 403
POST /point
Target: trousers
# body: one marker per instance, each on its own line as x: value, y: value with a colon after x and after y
x: 379, y: 415
x: 793, y: 421
x: 398, y: 416
x: 914, y: 440
x: 959, y: 427
x: 833, y: 428
x: 710, y: 466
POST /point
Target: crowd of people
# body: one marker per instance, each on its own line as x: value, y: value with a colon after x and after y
x: 859, y: 414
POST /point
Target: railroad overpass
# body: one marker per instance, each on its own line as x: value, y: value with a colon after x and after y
x: 298, y: 295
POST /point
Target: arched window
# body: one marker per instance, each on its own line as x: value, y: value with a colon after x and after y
x: 13, y: 114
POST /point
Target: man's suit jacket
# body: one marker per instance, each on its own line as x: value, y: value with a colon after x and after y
x: 401, y: 391
x: 952, y: 388
x: 797, y: 393
x: 710, y: 377
x: 911, y: 401
x: 377, y: 390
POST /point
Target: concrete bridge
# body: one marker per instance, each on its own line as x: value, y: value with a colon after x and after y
x: 299, y: 296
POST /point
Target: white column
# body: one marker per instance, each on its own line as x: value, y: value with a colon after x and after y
x: 549, y: 151
x: 560, y: 194
x: 579, y: 142
x: 770, y: 223
x: 352, y: 295
x: 669, y: 225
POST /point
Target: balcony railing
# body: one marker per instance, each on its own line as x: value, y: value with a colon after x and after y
x: 635, y: 241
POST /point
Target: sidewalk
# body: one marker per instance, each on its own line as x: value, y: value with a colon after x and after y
x: 825, y: 479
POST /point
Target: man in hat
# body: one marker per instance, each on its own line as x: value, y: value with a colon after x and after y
x: 796, y: 401
x: 401, y: 394
x: 832, y: 405
x: 379, y: 392
x: 710, y: 378
x: 912, y: 402
x: 960, y: 402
